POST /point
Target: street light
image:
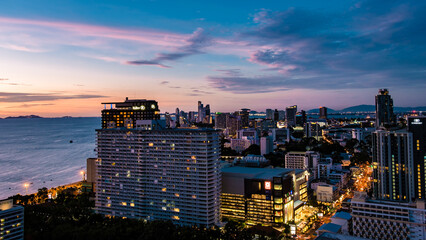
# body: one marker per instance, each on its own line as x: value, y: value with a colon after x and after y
x: 83, y: 174
x: 26, y: 185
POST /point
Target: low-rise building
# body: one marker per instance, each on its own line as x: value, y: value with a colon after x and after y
x: 327, y: 193
x: 343, y: 219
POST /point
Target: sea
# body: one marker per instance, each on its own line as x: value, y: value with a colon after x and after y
x: 44, y: 152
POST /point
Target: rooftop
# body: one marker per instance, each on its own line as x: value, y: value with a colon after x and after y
x: 343, y: 215
x: 330, y: 227
x: 336, y: 236
x: 257, y: 173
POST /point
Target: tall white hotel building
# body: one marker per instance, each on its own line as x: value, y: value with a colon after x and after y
x: 150, y: 172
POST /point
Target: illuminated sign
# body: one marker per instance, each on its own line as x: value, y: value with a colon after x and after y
x: 293, y: 229
x: 267, y: 185
x: 417, y: 121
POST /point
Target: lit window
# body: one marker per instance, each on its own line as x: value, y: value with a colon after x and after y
x: 176, y: 209
x: 176, y: 217
x: 124, y: 203
x: 132, y: 204
x: 151, y: 144
x: 164, y: 208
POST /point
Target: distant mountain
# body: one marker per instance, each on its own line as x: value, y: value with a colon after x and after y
x: 359, y: 108
x: 369, y: 108
x: 27, y: 116
x: 316, y: 110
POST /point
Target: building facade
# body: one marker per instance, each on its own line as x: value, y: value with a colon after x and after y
x: 11, y: 220
x: 417, y: 126
x: 290, y: 115
x: 387, y: 220
x: 260, y: 195
x: 393, y: 165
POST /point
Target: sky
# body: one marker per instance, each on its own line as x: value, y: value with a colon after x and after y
x: 66, y: 58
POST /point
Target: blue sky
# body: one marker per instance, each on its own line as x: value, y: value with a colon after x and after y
x: 65, y: 58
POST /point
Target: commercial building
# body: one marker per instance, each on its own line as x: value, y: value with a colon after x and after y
x: 417, y: 126
x: 11, y: 220
x: 393, y: 165
x: 375, y: 219
x: 261, y: 195
x: 384, y: 109
x: 147, y: 171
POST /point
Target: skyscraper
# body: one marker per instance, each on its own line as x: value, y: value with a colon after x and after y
x: 393, y: 165
x: 245, y: 114
x: 147, y: 171
x: 384, y: 109
x: 417, y: 126
x: 290, y: 115
x: 323, y: 113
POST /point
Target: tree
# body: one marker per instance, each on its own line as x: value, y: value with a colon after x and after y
x: 253, y: 149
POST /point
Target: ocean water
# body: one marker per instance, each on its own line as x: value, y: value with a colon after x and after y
x: 39, y: 152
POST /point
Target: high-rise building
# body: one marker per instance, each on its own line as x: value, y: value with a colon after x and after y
x: 393, y: 165
x: 384, y: 109
x: 290, y: 115
x: 220, y: 120
x: 417, y: 126
x: 245, y: 113
x: 147, y: 171
x: 269, y: 114
x: 301, y: 118
x: 207, y: 116
x: 168, y: 119
x: 201, y: 112
x: 233, y: 123
x: 281, y: 115
x: 266, y: 145
x: 11, y: 220
x: 323, y: 113
x: 276, y: 115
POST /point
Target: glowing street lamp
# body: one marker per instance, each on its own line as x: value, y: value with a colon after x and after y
x: 26, y: 185
x: 83, y: 174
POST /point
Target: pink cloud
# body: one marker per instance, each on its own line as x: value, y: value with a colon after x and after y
x: 138, y: 35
